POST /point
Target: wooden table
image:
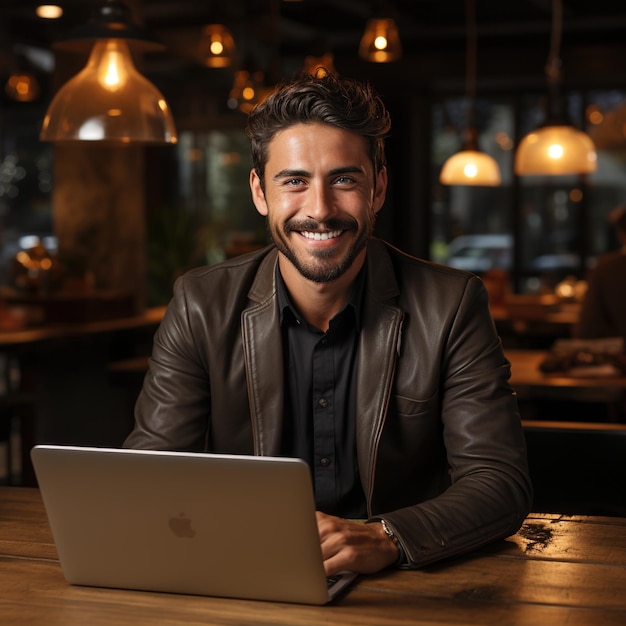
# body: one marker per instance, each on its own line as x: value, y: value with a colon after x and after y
x: 533, y: 327
x: 28, y: 336
x: 555, y: 570
x: 525, y: 371
x: 530, y: 381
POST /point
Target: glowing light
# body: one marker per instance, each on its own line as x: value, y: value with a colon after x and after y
x: 555, y: 151
x: 380, y: 43
x: 49, y: 11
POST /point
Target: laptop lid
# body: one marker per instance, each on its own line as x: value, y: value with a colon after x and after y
x: 217, y: 525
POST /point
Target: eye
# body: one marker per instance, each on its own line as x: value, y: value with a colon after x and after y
x: 344, y: 180
x: 293, y: 182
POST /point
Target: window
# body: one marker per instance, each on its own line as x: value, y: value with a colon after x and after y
x: 539, y: 228
x: 203, y: 210
x: 473, y: 223
x: 25, y: 180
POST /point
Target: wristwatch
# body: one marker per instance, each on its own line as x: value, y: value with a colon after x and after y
x: 390, y: 533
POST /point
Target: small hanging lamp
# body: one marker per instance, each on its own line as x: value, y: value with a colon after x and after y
x: 247, y: 91
x: 217, y: 46
x: 381, y: 41
x: 556, y: 148
x: 470, y: 166
x: 109, y: 100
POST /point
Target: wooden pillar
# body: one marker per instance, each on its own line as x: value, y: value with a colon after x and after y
x: 98, y: 212
x: 98, y: 204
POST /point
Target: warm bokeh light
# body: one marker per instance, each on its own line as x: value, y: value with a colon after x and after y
x: 594, y: 115
x: 49, y: 11
x: 555, y: 151
x: 380, y: 43
x: 216, y: 47
x: 22, y: 87
x: 576, y: 194
x: 470, y: 170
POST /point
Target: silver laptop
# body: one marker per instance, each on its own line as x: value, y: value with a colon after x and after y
x: 217, y: 525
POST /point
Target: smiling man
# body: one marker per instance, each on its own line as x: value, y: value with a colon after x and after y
x: 382, y: 371
x: 320, y: 194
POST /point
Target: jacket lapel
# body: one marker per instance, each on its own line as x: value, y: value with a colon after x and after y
x: 379, y: 346
x: 263, y: 356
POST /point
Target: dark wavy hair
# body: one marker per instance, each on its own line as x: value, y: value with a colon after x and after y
x: 345, y: 103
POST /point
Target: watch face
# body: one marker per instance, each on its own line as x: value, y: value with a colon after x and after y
x: 389, y: 532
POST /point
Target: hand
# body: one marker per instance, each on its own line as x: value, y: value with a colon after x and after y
x: 354, y: 546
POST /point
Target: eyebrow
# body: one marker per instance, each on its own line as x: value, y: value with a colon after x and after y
x: 288, y: 173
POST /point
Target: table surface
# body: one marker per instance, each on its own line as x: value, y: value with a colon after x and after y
x: 555, y: 570
x: 525, y: 371
x: 35, y: 334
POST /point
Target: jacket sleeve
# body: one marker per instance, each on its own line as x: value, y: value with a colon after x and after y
x: 173, y: 407
x: 490, y: 492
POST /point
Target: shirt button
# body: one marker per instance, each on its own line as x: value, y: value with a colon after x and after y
x: 325, y: 462
x: 323, y: 402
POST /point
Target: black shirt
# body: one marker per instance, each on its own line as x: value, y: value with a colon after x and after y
x: 320, y: 401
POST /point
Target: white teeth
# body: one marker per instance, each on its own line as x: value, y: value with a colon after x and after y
x: 321, y: 236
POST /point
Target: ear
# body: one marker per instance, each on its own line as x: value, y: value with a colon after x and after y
x: 380, y: 192
x: 258, y: 195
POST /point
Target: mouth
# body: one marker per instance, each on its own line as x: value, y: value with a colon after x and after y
x: 321, y: 236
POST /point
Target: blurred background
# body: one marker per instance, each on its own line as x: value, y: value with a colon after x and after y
x: 104, y: 203
x: 192, y: 196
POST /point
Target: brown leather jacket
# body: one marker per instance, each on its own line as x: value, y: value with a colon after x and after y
x: 440, y: 445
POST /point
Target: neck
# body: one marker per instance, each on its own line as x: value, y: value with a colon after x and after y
x: 318, y: 303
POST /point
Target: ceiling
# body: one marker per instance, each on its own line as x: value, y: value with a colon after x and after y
x: 289, y: 30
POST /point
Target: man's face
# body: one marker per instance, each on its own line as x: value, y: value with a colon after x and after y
x: 321, y: 198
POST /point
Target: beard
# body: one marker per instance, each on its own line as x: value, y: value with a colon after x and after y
x: 322, y: 266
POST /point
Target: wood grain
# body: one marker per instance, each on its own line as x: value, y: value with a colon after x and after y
x: 557, y: 570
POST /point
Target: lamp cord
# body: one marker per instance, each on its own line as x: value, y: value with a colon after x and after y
x: 470, y: 141
x: 553, y: 64
x: 470, y: 58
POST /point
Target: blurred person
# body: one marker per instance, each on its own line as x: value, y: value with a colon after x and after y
x: 382, y: 371
x: 603, y: 309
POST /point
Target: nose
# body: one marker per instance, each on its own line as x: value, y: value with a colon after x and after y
x: 320, y: 205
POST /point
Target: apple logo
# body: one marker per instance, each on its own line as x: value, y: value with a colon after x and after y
x: 181, y: 527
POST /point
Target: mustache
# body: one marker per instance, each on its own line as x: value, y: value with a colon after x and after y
x: 311, y: 225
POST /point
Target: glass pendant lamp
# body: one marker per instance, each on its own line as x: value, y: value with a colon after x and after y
x: 470, y: 166
x: 556, y: 148
x: 109, y: 100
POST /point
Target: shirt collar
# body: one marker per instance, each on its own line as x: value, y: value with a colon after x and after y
x: 289, y: 311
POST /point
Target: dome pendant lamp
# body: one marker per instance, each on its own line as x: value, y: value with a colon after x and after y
x: 470, y: 166
x: 556, y: 148
x: 109, y: 100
